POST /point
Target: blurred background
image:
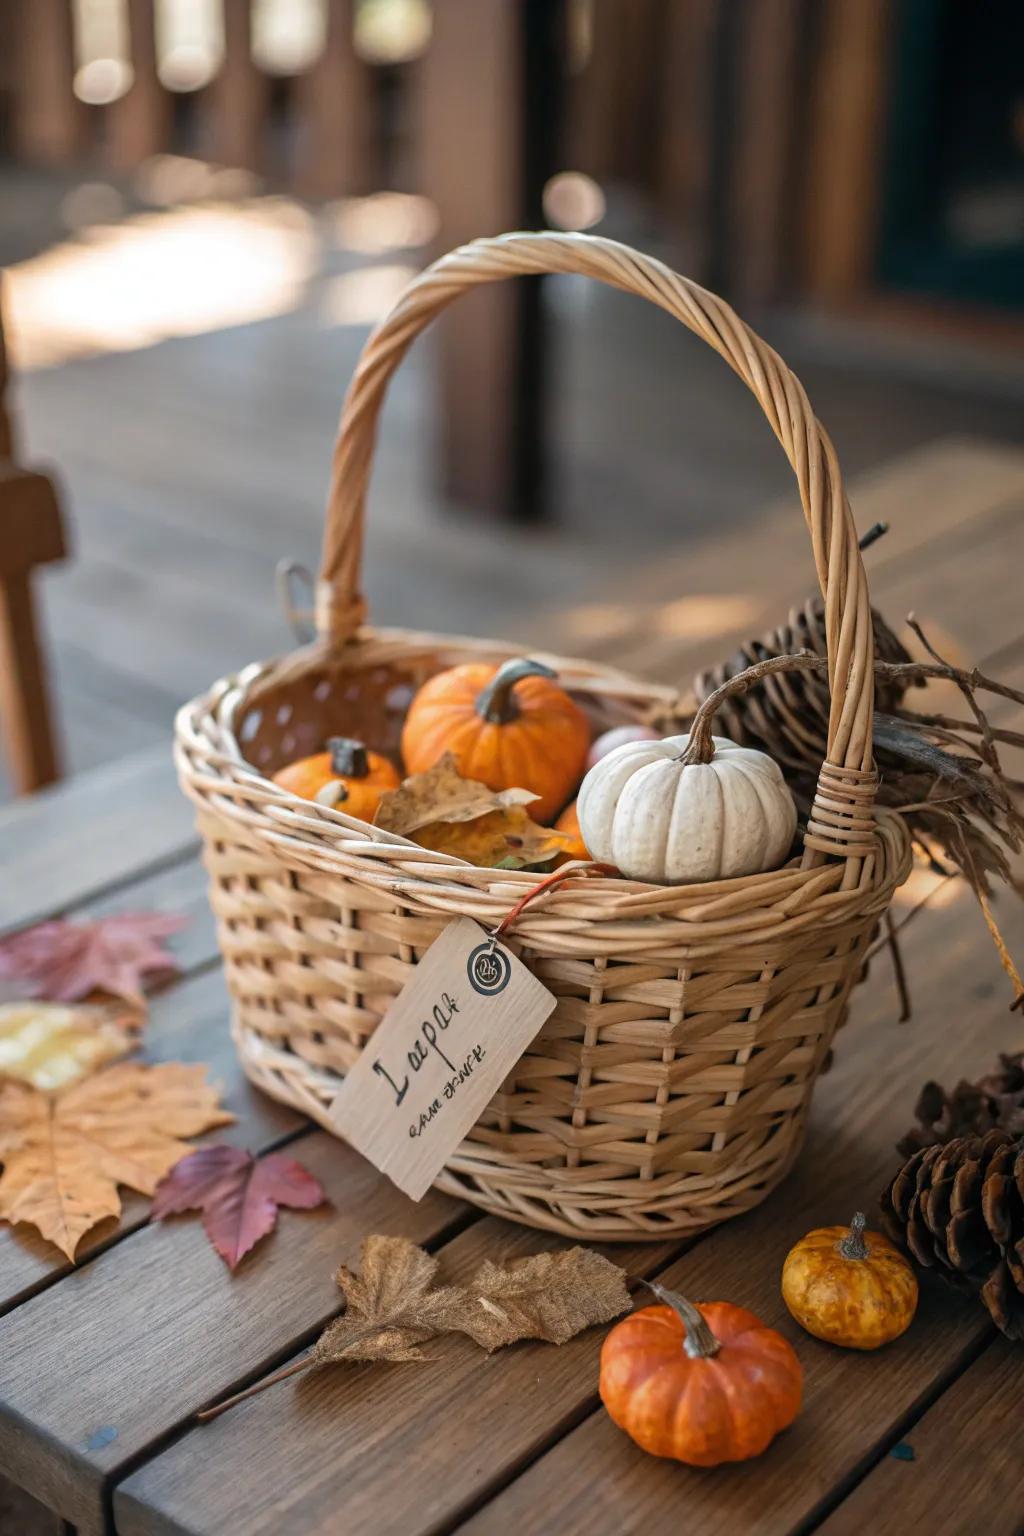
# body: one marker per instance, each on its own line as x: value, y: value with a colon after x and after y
x: 206, y: 204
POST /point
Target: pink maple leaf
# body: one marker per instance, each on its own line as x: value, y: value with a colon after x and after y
x: 66, y: 961
x: 238, y: 1194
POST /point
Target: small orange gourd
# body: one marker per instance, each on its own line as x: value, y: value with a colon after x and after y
x: 704, y: 1385
x: 569, y: 823
x: 849, y: 1286
x: 509, y: 727
x: 346, y: 777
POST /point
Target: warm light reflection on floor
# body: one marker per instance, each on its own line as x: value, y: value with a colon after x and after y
x: 384, y: 221
x: 124, y: 286
x: 704, y: 614
x: 924, y: 885
x: 125, y: 283
x: 363, y: 297
x: 685, y: 618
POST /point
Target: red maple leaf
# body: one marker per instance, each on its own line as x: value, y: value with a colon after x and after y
x: 238, y: 1194
x: 67, y: 961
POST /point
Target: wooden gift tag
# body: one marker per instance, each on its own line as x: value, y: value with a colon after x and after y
x: 441, y: 1051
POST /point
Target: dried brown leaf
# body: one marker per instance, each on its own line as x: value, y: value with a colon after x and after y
x: 551, y: 1296
x: 441, y: 794
x: 506, y: 839
x: 393, y: 1305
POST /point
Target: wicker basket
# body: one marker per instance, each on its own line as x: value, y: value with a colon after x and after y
x: 669, y: 1089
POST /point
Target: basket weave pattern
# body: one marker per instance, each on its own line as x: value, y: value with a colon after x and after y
x: 669, y: 1088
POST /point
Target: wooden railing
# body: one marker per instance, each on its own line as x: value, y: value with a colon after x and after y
x: 749, y: 127
x: 124, y: 110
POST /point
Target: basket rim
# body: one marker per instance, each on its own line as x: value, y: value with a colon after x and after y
x: 215, y: 774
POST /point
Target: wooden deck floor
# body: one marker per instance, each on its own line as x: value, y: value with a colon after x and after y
x: 151, y: 1303
x: 190, y: 466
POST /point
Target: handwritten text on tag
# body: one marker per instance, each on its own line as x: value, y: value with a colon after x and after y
x: 442, y: 1050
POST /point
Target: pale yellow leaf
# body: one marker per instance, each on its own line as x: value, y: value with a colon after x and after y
x: 50, y: 1045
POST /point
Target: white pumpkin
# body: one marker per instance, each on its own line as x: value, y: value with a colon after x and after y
x: 658, y: 818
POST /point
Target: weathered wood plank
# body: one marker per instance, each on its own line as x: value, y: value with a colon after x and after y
x: 596, y: 1481
x: 356, y: 1429
x: 967, y: 1472
x: 106, y: 827
x: 149, y: 1332
x: 358, y: 1426
x: 21, y: 1515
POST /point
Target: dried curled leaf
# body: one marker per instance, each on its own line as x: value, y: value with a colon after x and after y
x: 50, y: 1045
x: 393, y: 1305
x: 551, y: 1296
x: 506, y: 839
x: 441, y: 794
x: 65, y: 1154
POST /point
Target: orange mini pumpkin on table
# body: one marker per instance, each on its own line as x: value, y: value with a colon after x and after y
x: 849, y: 1286
x: 509, y: 727
x: 348, y: 777
x: 704, y: 1385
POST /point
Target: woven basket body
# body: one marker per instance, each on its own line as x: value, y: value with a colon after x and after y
x: 669, y: 1088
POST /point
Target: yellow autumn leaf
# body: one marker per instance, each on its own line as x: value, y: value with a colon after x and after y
x: 51, y: 1044
x: 507, y: 837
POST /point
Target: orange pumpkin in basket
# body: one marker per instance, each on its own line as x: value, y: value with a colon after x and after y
x: 509, y: 727
x: 704, y: 1385
x: 346, y: 777
x: 569, y: 823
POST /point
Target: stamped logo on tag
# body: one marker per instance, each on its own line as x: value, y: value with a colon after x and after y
x: 442, y: 1050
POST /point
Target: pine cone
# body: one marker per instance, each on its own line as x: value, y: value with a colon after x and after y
x: 787, y: 716
x: 975, y: 821
x: 994, y: 1102
x: 959, y: 1209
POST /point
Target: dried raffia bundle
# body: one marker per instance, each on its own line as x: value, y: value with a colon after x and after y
x: 959, y: 1209
x: 943, y: 773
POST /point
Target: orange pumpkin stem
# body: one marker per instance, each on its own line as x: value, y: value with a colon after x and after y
x: 853, y: 1245
x: 348, y: 757
x: 699, y: 1342
x: 497, y: 704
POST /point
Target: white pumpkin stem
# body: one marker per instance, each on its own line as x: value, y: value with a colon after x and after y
x: 496, y: 703
x: 699, y: 1342
x: 701, y: 746
x: 853, y: 1246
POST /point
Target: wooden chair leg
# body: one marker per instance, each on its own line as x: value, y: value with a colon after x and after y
x: 24, y: 706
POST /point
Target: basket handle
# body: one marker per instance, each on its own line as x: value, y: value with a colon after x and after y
x: 840, y: 822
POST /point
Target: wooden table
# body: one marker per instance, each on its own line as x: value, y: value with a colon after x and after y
x: 103, y: 1366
